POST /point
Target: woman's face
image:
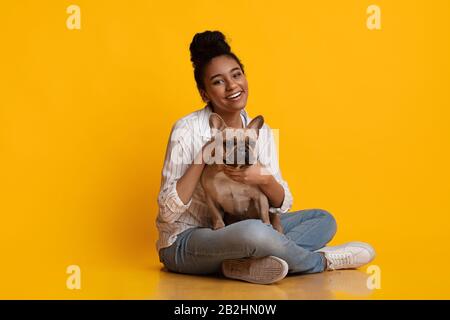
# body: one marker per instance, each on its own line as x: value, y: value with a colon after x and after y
x: 223, y: 78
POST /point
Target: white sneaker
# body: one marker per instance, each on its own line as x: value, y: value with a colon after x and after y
x: 348, y: 256
x: 263, y: 270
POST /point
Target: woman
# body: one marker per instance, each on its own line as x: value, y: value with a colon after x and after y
x: 247, y: 250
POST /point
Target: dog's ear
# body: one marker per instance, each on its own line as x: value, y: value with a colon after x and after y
x: 216, y: 122
x: 256, y: 124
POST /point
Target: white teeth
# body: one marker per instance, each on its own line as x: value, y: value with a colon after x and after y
x: 237, y: 94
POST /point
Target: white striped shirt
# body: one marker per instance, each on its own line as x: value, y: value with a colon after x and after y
x: 187, y: 137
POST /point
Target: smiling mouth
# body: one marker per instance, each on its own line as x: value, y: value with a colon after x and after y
x: 235, y: 96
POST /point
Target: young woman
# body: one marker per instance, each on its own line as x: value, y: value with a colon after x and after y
x: 248, y: 250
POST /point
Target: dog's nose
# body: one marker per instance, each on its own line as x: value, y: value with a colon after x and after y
x: 250, y: 156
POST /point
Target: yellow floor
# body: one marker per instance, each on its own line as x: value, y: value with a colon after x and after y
x: 146, y: 278
x: 397, y: 282
x: 151, y: 280
x: 329, y: 285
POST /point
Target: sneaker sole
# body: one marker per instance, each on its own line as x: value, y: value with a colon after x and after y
x: 264, y: 270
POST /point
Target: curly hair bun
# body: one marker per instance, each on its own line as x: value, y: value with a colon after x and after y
x: 207, y: 45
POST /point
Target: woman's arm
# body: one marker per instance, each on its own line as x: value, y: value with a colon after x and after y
x: 187, y: 183
x: 178, y: 166
x: 273, y: 191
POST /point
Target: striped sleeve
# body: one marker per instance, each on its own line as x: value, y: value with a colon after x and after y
x: 269, y: 158
x: 177, y: 160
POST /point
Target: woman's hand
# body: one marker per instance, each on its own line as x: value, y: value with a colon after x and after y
x: 252, y: 175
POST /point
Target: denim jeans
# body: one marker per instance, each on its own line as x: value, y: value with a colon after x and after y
x: 202, y: 250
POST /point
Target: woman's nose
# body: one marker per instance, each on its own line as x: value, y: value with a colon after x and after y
x: 231, y: 85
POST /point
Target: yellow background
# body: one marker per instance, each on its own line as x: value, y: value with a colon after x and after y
x: 85, y: 117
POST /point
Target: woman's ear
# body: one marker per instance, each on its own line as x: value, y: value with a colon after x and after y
x: 204, y: 95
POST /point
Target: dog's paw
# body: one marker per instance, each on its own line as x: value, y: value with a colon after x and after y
x: 280, y: 230
x: 218, y: 225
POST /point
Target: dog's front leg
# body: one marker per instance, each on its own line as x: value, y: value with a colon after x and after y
x: 276, y: 222
x: 216, y: 216
x: 263, y: 208
x: 272, y: 218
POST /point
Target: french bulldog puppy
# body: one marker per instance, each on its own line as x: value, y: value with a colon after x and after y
x: 228, y: 200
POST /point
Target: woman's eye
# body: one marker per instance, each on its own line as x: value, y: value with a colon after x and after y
x: 237, y: 74
x: 216, y: 82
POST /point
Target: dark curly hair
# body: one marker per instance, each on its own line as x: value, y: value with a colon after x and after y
x: 205, y: 46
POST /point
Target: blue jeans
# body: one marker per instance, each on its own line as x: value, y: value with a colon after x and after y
x: 202, y: 250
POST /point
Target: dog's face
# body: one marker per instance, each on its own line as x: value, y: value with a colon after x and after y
x: 235, y: 147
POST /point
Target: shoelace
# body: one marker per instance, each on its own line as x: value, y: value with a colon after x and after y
x: 338, y: 260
